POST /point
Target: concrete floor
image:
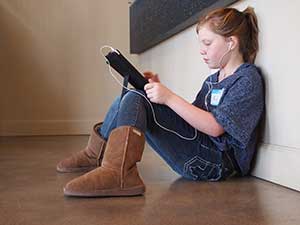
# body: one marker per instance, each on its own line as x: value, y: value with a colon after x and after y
x: 31, y: 193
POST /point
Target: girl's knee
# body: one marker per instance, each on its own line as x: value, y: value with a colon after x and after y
x: 133, y: 96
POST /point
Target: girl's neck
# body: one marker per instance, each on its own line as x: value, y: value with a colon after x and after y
x: 230, y: 68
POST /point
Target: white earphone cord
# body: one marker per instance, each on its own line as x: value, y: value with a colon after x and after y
x: 152, y: 109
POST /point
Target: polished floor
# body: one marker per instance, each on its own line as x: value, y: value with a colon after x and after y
x: 31, y: 193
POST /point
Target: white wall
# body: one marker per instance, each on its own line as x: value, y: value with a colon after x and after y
x: 179, y: 65
x: 53, y: 78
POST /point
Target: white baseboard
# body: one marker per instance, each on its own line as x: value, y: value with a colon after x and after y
x: 45, y: 127
x: 278, y: 164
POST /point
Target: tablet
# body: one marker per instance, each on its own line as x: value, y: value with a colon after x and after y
x: 125, y: 68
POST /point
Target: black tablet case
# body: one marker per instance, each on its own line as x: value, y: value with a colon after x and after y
x: 126, y: 69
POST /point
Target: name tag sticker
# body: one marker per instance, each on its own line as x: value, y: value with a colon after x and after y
x: 216, y: 95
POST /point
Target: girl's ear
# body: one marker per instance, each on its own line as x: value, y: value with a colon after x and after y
x: 232, y: 42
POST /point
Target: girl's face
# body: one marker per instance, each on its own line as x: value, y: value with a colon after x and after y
x: 213, y: 47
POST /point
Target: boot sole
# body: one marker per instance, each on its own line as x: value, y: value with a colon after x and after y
x: 74, y: 170
x: 138, y: 190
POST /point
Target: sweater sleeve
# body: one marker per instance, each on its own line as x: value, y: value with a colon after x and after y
x: 241, y: 108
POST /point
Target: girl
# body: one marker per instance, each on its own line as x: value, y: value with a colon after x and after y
x: 215, y: 135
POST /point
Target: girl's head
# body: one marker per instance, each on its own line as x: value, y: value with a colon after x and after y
x: 228, y: 30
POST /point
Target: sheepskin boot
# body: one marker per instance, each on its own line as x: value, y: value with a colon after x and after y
x: 87, y: 159
x: 118, y: 174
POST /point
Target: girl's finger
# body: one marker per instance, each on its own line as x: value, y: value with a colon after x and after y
x: 147, y: 86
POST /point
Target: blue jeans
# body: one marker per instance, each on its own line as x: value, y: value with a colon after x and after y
x: 198, y: 159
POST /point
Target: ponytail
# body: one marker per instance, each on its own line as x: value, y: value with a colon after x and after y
x: 252, y: 44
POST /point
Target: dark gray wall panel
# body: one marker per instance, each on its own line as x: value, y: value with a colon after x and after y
x: 152, y: 21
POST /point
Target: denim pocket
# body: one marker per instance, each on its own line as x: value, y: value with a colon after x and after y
x: 198, y: 168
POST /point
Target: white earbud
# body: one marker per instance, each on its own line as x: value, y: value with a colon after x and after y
x: 230, y: 46
x: 230, y: 43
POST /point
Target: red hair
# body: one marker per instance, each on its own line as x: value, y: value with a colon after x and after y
x: 231, y: 22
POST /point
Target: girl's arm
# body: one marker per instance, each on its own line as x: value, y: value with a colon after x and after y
x: 200, y: 119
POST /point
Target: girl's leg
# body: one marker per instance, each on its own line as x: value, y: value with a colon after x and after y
x: 128, y: 111
x: 110, y: 120
x: 196, y: 159
x: 118, y: 174
x: 131, y: 113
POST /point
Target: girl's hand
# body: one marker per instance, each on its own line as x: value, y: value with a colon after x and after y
x: 151, y: 76
x: 157, y: 92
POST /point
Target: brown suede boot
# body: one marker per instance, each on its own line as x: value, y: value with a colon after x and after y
x: 87, y: 159
x: 118, y: 174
